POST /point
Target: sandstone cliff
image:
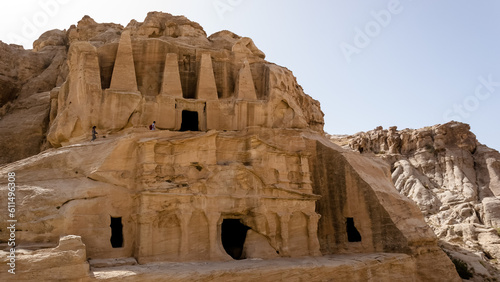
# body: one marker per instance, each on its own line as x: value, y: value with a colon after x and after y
x: 453, y: 179
x: 238, y: 169
x: 26, y: 80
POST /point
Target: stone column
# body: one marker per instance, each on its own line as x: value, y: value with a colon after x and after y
x: 284, y: 220
x: 306, y: 175
x: 145, y: 237
x: 171, y: 84
x: 241, y: 115
x: 245, y: 88
x: 184, y: 216
x: 147, y: 163
x: 124, y: 77
x: 312, y: 232
x: 206, y: 88
x: 213, y: 220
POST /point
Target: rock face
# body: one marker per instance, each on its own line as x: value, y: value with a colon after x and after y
x: 26, y: 79
x: 237, y: 168
x: 453, y: 179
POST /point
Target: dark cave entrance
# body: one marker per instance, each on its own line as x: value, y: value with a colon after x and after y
x: 189, y: 121
x: 233, y: 235
x: 352, y: 233
x: 116, y: 232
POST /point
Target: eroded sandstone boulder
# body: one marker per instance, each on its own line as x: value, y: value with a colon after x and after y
x: 66, y: 261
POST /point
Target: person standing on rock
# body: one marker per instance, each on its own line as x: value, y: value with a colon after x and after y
x: 153, y: 126
x: 94, y: 133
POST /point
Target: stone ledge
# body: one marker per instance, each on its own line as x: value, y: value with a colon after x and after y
x: 113, y: 262
x: 353, y: 267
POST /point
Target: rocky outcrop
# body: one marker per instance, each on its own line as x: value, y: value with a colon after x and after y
x: 451, y: 176
x: 93, y: 32
x: 66, y: 261
x: 237, y: 168
x: 26, y: 79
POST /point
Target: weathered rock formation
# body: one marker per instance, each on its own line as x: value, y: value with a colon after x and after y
x: 26, y: 79
x: 453, y: 179
x: 67, y: 261
x: 238, y: 168
x: 173, y: 74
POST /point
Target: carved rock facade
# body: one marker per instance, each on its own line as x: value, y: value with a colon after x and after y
x: 182, y: 87
x: 237, y: 168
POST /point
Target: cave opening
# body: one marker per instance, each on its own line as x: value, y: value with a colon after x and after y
x: 352, y: 233
x: 189, y: 121
x: 116, y: 232
x: 233, y: 235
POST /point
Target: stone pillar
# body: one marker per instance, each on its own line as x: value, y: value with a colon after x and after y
x: 306, y: 175
x: 147, y: 163
x: 312, y: 232
x: 145, y: 237
x: 213, y: 220
x: 167, y: 115
x: 124, y: 78
x: 184, y: 216
x: 284, y: 219
x: 123, y: 96
x: 206, y: 89
x: 213, y: 115
x: 245, y: 88
x: 171, y: 85
x: 241, y: 115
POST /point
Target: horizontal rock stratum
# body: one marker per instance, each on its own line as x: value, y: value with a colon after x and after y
x: 237, y: 181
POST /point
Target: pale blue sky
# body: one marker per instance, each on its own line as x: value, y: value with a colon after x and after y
x: 409, y: 63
